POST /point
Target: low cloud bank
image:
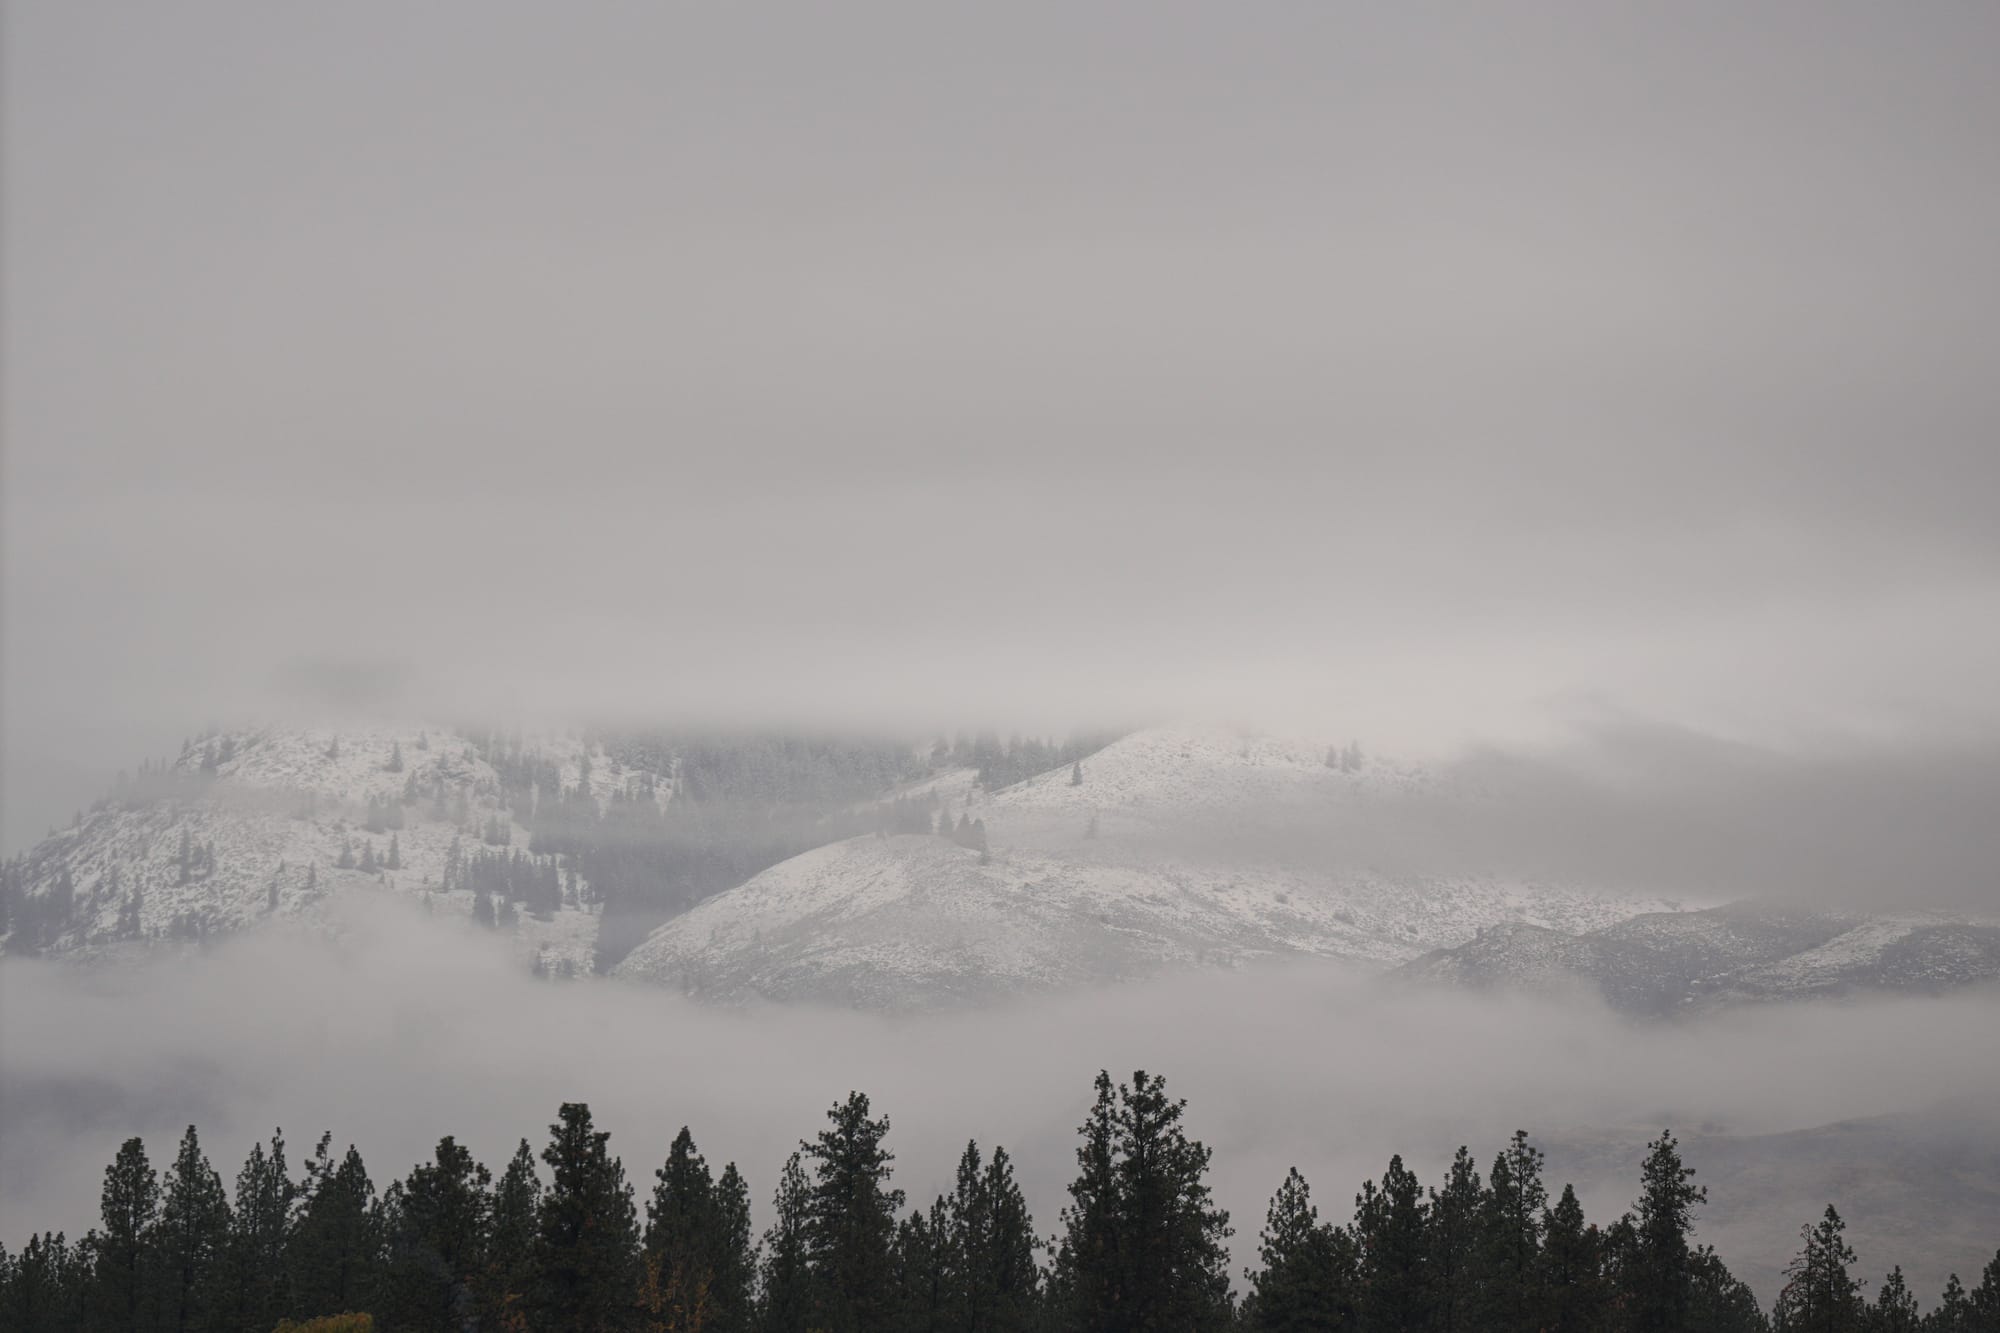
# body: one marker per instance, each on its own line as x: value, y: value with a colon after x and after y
x: 405, y: 1028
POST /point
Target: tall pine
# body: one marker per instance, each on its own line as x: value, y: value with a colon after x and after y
x: 1308, y: 1279
x: 1144, y: 1245
x: 122, y: 1258
x: 586, y: 1253
x: 193, y: 1233
x: 851, y: 1218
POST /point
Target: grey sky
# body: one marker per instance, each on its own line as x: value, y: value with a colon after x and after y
x: 1426, y: 368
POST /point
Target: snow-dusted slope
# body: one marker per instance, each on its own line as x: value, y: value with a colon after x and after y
x: 266, y: 817
x: 1168, y: 848
x: 1668, y: 963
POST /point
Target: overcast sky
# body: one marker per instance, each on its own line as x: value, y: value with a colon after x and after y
x: 1429, y: 369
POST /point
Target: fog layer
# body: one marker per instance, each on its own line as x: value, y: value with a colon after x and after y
x: 409, y: 1027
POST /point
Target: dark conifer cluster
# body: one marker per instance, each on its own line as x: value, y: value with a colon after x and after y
x: 571, y: 1244
x: 1003, y: 763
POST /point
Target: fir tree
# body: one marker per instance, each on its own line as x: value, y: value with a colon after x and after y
x: 733, y: 1289
x: 255, y: 1256
x: 1511, y: 1215
x: 1718, y: 1302
x: 1985, y: 1298
x: 1076, y: 774
x: 1389, y: 1223
x: 851, y: 1217
x: 193, y: 1233
x: 1953, y: 1313
x: 515, y: 1209
x: 586, y: 1254
x: 123, y: 1255
x: 437, y: 1242
x: 394, y: 861
x: 682, y: 1246
x: 335, y: 1248
x: 395, y: 764
x: 1569, y: 1278
x: 1820, y: 1294
x: 1895, y: 1309
x: 790, y: 1294
x: 1308, y: 1280
x: 1659, y: 1283
x: 1456, y: 1213
x: 45, y: 1289
x: 922, y: 1267
x: 1144, y: 1246
x: 994, y: 1284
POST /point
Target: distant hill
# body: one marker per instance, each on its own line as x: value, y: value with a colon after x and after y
x: 1168, y: 848
x: 1661, y: 964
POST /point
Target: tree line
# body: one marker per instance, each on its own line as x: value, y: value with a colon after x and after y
x: 1140, y: 1246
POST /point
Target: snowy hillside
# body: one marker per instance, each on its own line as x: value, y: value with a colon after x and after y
x: 1660, y: 964
x: 1137, y: 859
x: 244, y: 826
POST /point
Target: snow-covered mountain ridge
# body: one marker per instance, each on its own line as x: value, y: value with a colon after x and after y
x: 248, y: 825
x: 1168, y: 848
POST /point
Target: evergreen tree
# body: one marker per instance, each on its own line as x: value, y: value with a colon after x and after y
x: 1510, y: 1236
x: 696, y: 1235
x: 789, y: 1291
x: 437, y: 1239
x: 45, y: 1288
x: 733, y: 1291
x: 193, y: 1234
x: 1985, y: 1298
x: 1076, y: 774
x: 851, y: 1218
x: 1144, y: 1247
x: 515, y: 1209
x: 1820, y: 1294
x: 1895, y: 1309
x: 1569, y: 1277
x: 1308, y: 1282
x: 395, y: 764
x: 1390, y: 1224
x: 992, y: 1284
x: 922, y: 1267
x: 1954, y: 1311
x: 1658, y: 1280
x: 586, y: 1254
x: 1718, y: 1302
x: 255, y: 1256
x: 122, y: 1258
x: 335, y: 1248
x: 1456, y: 1213
x: 394, y: 860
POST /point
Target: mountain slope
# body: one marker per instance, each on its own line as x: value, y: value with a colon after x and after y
x: 1167, y: 848
x: 248, y: 825
x: 1665, y: 963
